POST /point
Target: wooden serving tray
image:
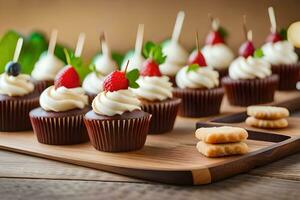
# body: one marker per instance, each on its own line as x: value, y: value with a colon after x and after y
x: 172, y: 157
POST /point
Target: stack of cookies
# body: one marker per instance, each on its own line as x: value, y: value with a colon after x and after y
x: 268, y: 117
x: 222, y: 141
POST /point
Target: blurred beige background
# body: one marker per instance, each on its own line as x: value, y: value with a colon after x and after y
x: 119, y: 18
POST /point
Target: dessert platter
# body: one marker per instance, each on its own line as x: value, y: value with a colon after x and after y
x: 163, y: 114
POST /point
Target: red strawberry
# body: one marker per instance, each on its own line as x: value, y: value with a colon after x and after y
x: 247, y: 49
x: 197, y: 58
x: 115, y: 81
x: 67, y: 77
x: 214, y: 37
x: 273, y: 37
x: 150, y: 68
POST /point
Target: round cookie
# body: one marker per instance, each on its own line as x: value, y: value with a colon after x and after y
x: 267, y: 112
x: 267, y: 124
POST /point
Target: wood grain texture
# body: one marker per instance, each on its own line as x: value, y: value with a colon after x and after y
x: 240, y: 187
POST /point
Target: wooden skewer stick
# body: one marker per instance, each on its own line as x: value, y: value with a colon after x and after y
x: 197, y: 42
x: 139, y: 40
x: 249, y: 35
x: 80, y: 43
x: 18, y: 50
x: 178, y: 26
x: 245, y: 30
x: 104, y: 46
x: 272, y: 19
x: 126, y: 67
x: 52, y: 42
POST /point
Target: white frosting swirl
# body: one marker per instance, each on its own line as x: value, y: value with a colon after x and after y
x: 93, y: 83
x: 47, y: 67
x: 176, y: 58
x: 154, y: 88
x: 281, y: 52
x: 63, y: 99
x: 249, y: 68
x: 219, y: 56
x: 203, y: 77
x: 115, y: 103
x: 135, y: 62
x: 105, y: 64
x: 15, y: 85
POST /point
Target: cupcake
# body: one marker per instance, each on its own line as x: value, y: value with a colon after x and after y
x: 284, y: 61
x: 59, y: 120
x: 103, y: 65
x: 198, y: 88
x: 155, y: 93
x: 45, y: 70
x: 116, y: 123
x: 176, y: 54
x: 250, y: 79
x: 17, y: 97
x: 217, y: 54
x: 282, y: 56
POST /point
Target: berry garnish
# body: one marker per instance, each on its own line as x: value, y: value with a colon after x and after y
x: 67, y: 77
x: 214, y: 37
x: 13, y: 68
x: 274, y: 37
x: 150, y: 68
x: 247, y: 49
x: 118, y: 80
x: 197, y: 57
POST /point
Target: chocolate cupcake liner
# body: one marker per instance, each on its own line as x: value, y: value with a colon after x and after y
x: 118, y: 135
x: 199, y: 102
x: 59, y: 130
x: 250, y: 91
x: 91, y: 97
x: 222, y: 72
x: 289, y: 75
x: 163, y: 115
x: 14, y: 113
x: 173, y: 80
x: 40, y: 86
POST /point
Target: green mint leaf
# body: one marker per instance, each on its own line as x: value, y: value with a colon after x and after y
x: 132, y: 76
x: 258, y: 53
x: 154, y: 51
x: 192, y: 67
x: 92, y: 67
x: 223, y: 32
x: 117, y: 57
x: 283, y: 34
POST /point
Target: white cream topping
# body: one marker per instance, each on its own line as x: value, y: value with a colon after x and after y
x: 281, y: 52
x: 105, y: 64
x: 115, y: 103
x: 249, y: 68
x: 47, y: 67
x: 63, y: 99
x: 15, y: 85
x: 93, y: 83
x: 135, y: 62
x: 154, y: 88
x: 203, y: 77
x: 219, y: 56
x: 176, y: 58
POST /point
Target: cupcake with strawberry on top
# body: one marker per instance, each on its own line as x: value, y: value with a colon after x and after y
x: 116, y: 123
x: 155, y: 92
x: 250, y: 79
x: 59, y: 120
x: 216, y: 53
x: 198, y: 87
x: 281, y: 54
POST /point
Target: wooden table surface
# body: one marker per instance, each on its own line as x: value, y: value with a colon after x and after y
x: 26, y: 177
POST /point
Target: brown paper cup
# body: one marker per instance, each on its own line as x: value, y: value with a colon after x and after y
x: 163, y: 114
x: 289, y: 75
x: 91, y: 97
x: 15, y: 112
x: 199, y: 102
x: 42, y: 85
x: 117, y: 133
x: 63, y: 128
x: 250, y: 91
